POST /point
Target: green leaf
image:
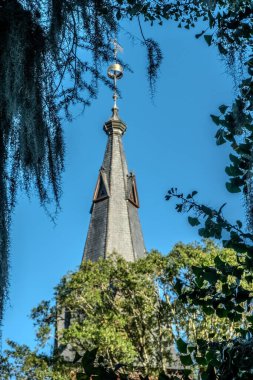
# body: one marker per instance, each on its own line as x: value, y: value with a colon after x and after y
x: 182, y: 346
x: 239, y: 223
x: 219, y: 263
x: 207, y: 210
x: 223, y: 108
x: 199, y: 281
x: 201, y: 342
x: 221, y: 312
x: 233, y: 171
x: 220, y: 137
x: 249, y: 278
x: 239, y: 309
x: 250, y: 318
x: 186, y: 359
x: 179, y: 207
x: 209, y: 374
x: 236, y: 317
x: 242, y: 295
x: 211, y: 356
x: 210, y: 274
x: 200, y: 360
x: 193, y: 221
x: 163, y: 376
x: 215, y: 119
x: 211, y: 19
x: 208, y: 310
x: 82, y: 376
x: 204, y: 233
x: 198, y: 271
x: 208, y: 38
x: 232, y: 188
x: 191, y: 348
x: 244, y: 148
x: 234, y: 159
x: 88, y: 361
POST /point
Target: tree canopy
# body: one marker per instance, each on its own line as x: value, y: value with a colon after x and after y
x: 131, y: 313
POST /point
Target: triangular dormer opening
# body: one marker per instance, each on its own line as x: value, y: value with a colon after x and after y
x: 101, y: 191
x: 133, y: 194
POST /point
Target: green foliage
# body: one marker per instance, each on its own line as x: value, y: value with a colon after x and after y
x: 21, y: 363
x: 223, y: 288
x: 127, y: 315
x: 119, y: 311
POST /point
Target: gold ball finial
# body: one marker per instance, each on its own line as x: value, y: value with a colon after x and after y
x: 115, y: 71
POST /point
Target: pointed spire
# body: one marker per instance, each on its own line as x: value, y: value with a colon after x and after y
x: 115, y: 224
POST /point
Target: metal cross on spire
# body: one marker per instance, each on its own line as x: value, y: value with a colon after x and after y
x: 115, y: 72
x: 116, y: 48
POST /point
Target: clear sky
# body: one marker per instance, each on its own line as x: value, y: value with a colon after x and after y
x: 169, y: 143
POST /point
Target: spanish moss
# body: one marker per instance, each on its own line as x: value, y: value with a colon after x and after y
x: 37, y: 54
x: 154, y: 55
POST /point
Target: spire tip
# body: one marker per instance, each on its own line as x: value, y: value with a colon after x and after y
x: 115, y: 72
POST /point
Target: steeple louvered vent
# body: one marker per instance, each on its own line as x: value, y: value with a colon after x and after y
x: 101, y: 190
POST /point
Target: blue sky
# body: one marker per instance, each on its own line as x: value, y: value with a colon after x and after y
x: 169, y: 142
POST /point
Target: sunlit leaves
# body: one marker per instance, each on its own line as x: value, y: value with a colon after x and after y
x: 229, y: 293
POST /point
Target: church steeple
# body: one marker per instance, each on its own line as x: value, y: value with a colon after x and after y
x: 114, y: 224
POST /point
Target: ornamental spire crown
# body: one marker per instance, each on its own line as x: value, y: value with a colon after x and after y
x: 115, y: 72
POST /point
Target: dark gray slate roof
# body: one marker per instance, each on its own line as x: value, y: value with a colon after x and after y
x: 114, y: 224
